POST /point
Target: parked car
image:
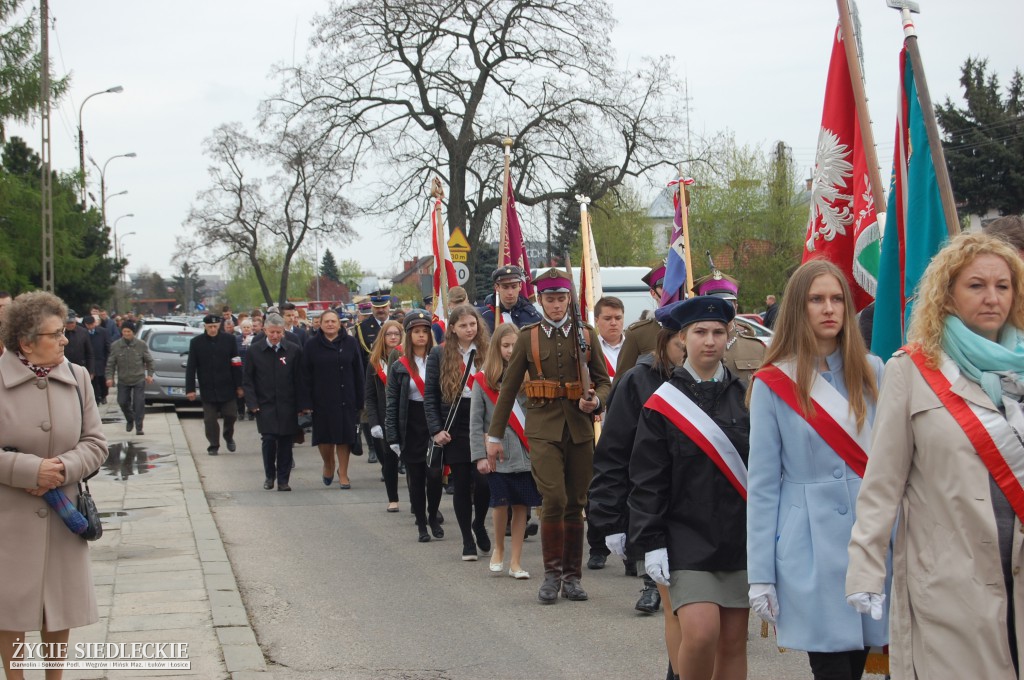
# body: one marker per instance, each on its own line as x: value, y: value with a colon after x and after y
x: 169, y: 346
x: 756, y: 318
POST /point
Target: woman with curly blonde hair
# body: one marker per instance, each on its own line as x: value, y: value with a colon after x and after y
x: 948, y: 460
x: 465, y: 332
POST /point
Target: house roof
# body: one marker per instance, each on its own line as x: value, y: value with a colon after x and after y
x: 413, y: 270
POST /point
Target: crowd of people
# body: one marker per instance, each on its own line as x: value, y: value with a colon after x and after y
x: 850, y: 501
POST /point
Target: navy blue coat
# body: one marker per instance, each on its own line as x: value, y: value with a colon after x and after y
x: 101, y: 341
x: 273, y: 382
x: 523, y: 312
x: 333, y: 388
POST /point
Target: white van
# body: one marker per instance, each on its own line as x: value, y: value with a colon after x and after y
x: 624, y: 283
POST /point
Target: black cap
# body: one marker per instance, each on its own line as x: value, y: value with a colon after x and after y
x: 508, y: 272
x: 702, y: 308
x: 418, y: 318
x: 130, y: 325
x: 212, y: 318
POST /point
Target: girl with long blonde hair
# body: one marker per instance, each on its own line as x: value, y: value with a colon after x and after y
x: 382, y: 354
x: 464, y: 334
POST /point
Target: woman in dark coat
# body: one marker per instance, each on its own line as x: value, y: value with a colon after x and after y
x: 334, y: 393
x: 383, y: 353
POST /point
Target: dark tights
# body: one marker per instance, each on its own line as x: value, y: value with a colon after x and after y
x: 838, y: 665
x: 389, y: 468
x: 471, y: 490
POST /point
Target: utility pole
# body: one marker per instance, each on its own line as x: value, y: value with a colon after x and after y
x: 44, y: 110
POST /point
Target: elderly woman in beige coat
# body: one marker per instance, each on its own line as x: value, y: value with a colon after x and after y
x: 51, y: 438
x: 947, y: 460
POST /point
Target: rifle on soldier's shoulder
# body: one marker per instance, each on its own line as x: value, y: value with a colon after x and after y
x: 582, y: 336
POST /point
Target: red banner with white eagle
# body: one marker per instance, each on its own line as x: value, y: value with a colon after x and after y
x: 843, y: 225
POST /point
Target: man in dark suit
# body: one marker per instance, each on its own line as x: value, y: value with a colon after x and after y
x: 100, y: 341
x: 213, y: 359
x: 366, y: 334
x: 291, y: 323
x: 79, y: 348
x: 271, y: 383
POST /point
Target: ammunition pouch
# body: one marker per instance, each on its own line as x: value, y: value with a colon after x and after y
x: 542, y: 389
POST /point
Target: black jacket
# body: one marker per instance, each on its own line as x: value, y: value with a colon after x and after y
x: 273, y: 381
x: 523, y: 312
x: 610, y: 486
x: 79, y: 348
x: 375, y: 401
x: 214, y: 361
x: 396, y: 416
x: 437, y: 408
x: 100, y: 341
x: 680, y: 499
x: 366, y: 334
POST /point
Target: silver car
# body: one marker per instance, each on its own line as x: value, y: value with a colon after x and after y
x: 169, y: 347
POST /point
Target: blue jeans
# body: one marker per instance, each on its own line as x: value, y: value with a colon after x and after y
x: 277, y: 456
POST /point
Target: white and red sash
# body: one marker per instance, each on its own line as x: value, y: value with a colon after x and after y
x: 703, y: 431
x: 416, y: 377
x: 611, y: 369
x: 991, y: 436
x: 516, y: 420
x: 832, y: 419
x: 382, y: 373
x: 469, y: 382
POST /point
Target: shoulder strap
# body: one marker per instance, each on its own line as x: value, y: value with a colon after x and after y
x: 535, y: 350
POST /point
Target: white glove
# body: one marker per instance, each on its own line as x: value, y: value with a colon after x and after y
x: 377, y: 432
x: 764, y: 601
x: 867, y: 603
x: 616, y: 544
x: 656, y: 565
x: 397, y: 449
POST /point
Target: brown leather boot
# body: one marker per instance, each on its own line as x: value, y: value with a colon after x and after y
x: 572, y: 562
x: 551, y: 541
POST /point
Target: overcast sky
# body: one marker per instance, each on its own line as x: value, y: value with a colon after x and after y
x: 754, y: 67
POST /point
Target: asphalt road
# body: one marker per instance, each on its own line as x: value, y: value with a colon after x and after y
x: 336, y: 587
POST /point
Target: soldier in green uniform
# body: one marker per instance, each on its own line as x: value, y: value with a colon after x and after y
x: 559, y: 427
x: 744, y: 353
x: 642, y: 335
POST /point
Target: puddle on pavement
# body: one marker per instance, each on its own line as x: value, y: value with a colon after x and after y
x: 126, y: 458
x: 115, y: 513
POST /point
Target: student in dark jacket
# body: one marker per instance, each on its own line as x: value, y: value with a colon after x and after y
x: 507, y: 303
x: 687, y: 508
x: 79, y: 347
x: 100, y: 341
x: 272, y: 384
x: 608, y: 515
x: 213, y: 361
x: 405, y: 424
x: 333, y: 391
x: 382, y: 354
x: 465, y: 332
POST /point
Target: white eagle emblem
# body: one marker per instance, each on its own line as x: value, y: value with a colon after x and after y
x: 830, y: 207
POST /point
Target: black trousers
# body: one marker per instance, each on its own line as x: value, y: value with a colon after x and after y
x: 99, y: 387
x: 471, y: 493
x: 838, y: 665
x: 225, y: 409
x: 595, y: 538
x: 132, y: 400
x: 277, y: 456
x: 424, y: 490
x: 389, y: 467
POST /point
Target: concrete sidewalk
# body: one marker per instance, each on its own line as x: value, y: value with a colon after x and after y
x: 160, y: 569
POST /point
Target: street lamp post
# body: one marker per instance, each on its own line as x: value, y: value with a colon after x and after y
x: 103, y: 181
x: 118, y: 250
x: 81, y: 135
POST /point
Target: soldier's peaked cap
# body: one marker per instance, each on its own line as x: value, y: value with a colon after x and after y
x: 553, y: 280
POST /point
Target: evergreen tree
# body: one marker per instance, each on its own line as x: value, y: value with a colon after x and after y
x: 329, y: 267
x: 984, y: 141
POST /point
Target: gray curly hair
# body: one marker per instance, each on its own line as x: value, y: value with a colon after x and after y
x: 24, y: 316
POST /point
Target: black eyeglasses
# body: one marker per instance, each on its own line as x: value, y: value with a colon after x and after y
x: 56, y: 335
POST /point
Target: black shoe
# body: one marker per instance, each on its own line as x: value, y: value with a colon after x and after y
x: 212, y: 451
x: 284, y: 487
x: 548, y: 593
x: 650, y: 599
x: 531, y: 529
x: 483, y: 541
x: 630, y: 566
x: 129, y: 426
x: 401, y: 468
x: 596, y: 561
x: 469, y: 552
x: 372, y: 458
x: 449, y: 489
x: 435, y: 527
x: 139, y: 431
x: 440, y: 517
x: 231, y: 445
x: 424, y: 536
x: 269, y: 484
x: 572, y: 590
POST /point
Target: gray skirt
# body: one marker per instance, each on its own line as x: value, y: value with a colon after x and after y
x: 724, y: 588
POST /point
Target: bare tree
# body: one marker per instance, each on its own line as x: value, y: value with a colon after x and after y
x: 419, y: 89
x: 244, y: 215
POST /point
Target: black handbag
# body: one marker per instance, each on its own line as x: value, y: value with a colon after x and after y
x: 87, y: 507
x: 434, y: 450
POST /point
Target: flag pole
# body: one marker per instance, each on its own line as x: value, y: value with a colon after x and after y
x: 928, y: 112
x: 437, y: 191
x: 504, y: 255
x: 860, y: 97
x: 684, y: 214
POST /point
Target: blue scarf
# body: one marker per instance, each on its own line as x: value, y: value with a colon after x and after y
x: 983, y: 361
